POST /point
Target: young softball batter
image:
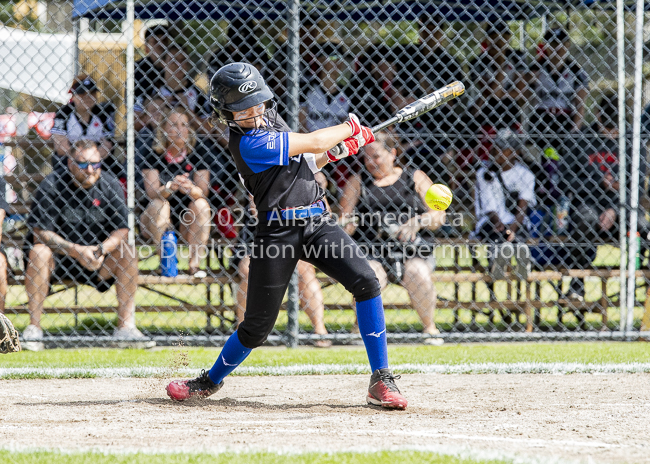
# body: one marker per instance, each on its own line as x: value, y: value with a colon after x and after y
x: 277, y: 167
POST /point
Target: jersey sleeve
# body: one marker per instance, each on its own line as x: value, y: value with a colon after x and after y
x: 119, y: 213
x: 107, y: 115
x: 265, y: 149
x: 527, y: 191
x: 61, y: 121
x: 485, y: 194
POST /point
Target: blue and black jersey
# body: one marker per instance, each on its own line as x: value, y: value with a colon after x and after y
x: 275, y: 180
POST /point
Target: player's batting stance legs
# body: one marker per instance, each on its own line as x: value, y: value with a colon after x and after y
x: 330, y: 249
x: 277, y: 167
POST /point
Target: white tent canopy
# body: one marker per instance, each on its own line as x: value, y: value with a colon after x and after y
x: 37, y: 64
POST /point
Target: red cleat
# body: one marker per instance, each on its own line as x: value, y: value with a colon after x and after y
x: 383, y: 391
x: 203, y: 386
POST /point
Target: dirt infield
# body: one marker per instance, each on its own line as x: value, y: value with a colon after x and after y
x: 588, y: 418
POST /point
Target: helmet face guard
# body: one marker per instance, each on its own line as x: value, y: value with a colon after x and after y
x: 237, y: 87
x: 270, y: 115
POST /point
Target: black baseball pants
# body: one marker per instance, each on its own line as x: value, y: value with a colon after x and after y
x: 277, y: 247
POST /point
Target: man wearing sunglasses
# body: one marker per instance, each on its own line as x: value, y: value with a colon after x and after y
x: 79, y: 219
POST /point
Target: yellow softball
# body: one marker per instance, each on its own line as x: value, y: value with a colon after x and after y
x: 438, y: 197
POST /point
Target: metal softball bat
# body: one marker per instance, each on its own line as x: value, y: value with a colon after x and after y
x: 424, y: 104
x: 419, y: 107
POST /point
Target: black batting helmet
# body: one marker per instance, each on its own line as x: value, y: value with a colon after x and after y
x: 236, y: 87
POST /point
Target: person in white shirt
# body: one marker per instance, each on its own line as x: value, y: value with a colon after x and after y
x: 504, y: 191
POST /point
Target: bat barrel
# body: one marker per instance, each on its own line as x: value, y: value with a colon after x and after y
x: 419, y: 107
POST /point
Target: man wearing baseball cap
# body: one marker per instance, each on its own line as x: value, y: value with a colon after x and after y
x: 83, y: 118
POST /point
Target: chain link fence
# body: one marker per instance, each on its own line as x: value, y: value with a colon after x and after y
x: 530, y: 248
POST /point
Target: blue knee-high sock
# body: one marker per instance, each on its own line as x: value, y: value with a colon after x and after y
x: 231, y: 356
x: 370, y: 314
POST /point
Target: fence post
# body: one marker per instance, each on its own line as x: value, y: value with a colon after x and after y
x: 130, y: 116
x: 636, y: 149
x: 293, y: 329
x: 76, y: 28
x: 293, y: 73
x: 620, y: 44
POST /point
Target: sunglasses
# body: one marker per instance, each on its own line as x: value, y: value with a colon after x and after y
x: 84, y: 166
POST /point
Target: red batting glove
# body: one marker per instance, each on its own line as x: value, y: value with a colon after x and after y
x: 365, y: 137
x: 349, y: 146
x: 354, y: 123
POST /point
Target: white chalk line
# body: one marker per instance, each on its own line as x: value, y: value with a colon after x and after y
x: 325, y: 369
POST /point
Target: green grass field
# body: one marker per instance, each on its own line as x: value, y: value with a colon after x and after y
x: 506, y: 353
x: 402, y: 457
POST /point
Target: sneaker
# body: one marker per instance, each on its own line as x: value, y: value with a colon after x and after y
x: 31, y: 337
x: 383, y: 391
x: 203, y: 386
x: 131, y: 337
x: 433, y: 341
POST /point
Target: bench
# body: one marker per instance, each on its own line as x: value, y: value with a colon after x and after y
x: 520, y: 301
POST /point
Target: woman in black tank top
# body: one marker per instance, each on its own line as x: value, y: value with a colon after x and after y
x: 389, y: 201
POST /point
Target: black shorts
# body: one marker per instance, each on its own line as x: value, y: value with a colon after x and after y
x: 393, y: 259
x: 180, y: 210
x: 179, y: 207
x: 67, y: 268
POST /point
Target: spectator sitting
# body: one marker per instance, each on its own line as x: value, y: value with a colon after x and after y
x: 592, y: 176
x: 372, y: 89
x: 82, y: 118
x: 80, y: 224
x: 561, y: 88
x: 326, y: 104
x: 150, y: 70
x: 388, y: 192
x: 176, y: 180
x: 504, y: 191
x: 498, y: 73
x: 154, y: 109
x: 177, y: 90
